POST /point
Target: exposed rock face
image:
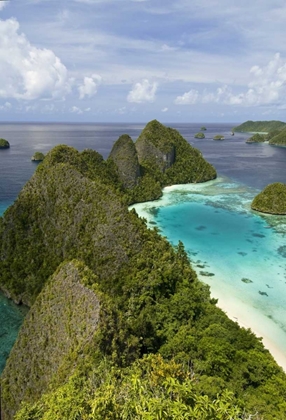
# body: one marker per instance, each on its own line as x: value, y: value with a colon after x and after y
x: 155, y: 145
x: 271, y: 200
x: 163, y: 149
x: 125, y: 157
x: 62, y: 320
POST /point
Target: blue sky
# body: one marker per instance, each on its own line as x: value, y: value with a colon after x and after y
x: 136, y: 60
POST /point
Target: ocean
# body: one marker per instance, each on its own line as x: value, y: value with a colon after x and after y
x: 239, y: 253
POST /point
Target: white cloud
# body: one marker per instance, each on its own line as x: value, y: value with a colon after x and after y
x: 2, y: 4
x: 76, y: 110
x: 164, y: 109
x: 267, y: 85
x: 89, y: 86
x: 143, y: 92
x: 28, y: 72
x: 187, y: 98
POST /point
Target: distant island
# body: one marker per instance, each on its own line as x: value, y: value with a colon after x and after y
x: 271, y: 200
x: 38, y: 157
x: 256, y: 138
x: 273, y: 132
x: 4, y: 144
x: 259, y: 126
x: 218, y: 137
x: 199, y: 136
x: 203, y: 128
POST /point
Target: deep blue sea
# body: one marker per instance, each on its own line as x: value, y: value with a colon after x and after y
x: 240, y: 254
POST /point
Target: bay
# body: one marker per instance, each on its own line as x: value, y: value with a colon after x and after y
x: 213, y: 220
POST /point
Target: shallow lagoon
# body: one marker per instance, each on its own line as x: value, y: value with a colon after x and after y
x: 239, y: 253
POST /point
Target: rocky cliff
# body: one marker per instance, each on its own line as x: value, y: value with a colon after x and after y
x: 60, y: 324
x: 124, y: 155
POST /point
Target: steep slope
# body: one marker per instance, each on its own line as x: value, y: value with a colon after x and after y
x: 169, y: 158
x: 271, y: 200
x: 61, y: 214
x: 60, y: 324
x: 124, y: 154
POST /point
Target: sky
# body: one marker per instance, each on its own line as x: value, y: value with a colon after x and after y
x: 136, y: 60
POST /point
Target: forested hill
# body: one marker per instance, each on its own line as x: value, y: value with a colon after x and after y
x: 119, y: 325
x: 271, y: 200
x: 159, y: 157
x: 260, y: 126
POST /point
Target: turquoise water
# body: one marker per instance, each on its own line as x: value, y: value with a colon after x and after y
x: 239, y: 253
x: 11, y: 318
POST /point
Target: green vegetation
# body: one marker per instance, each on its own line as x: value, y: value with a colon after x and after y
x: 260, y: 126
x: 165, y: 158
x: 199, y: 135
x: 150, y: 389
x: 4, y: 144
x: 120, y: 326
x: 271, y: 200
x: 124, y: 155
x: 38, y: 157
x: 219, y: 137
x: 274, y: 131
x: 256, y: 138
x: 203, y: 128
x: 278, y: 139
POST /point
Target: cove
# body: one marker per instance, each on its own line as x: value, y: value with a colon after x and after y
x: 240, y: 254
x: 11, y: 317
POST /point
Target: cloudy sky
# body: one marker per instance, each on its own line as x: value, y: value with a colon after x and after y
x: 135, y: 60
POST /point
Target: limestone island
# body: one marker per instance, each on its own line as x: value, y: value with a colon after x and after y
x: 273, y: 132
x: 199, y: 136
x: 38, y: 157
x: 271, y: 200
x: 119, y: 323
x: 218, y: 137
x: 4, y: 144
x: 256, y: 138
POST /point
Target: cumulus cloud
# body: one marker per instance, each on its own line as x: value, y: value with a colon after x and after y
x: 76, y: 110
x: 267, y: 86
x: 89, y: 86
x: 190, y: 97
x: 164, y: 110
x: 28, y: 72
x: 144, y: 91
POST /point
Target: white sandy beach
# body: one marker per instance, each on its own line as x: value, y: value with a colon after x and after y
x: 249, y: 317
x: 230, y: 300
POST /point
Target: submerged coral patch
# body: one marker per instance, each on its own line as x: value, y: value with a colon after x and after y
x: 282, y: 251
x: 246, y: 280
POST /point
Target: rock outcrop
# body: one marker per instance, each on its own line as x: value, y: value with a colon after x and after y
x: 124, y: 155
x: 63, y: 320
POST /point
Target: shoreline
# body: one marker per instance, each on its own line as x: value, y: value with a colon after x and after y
x: 237, y: 310
x: 250, y: 318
